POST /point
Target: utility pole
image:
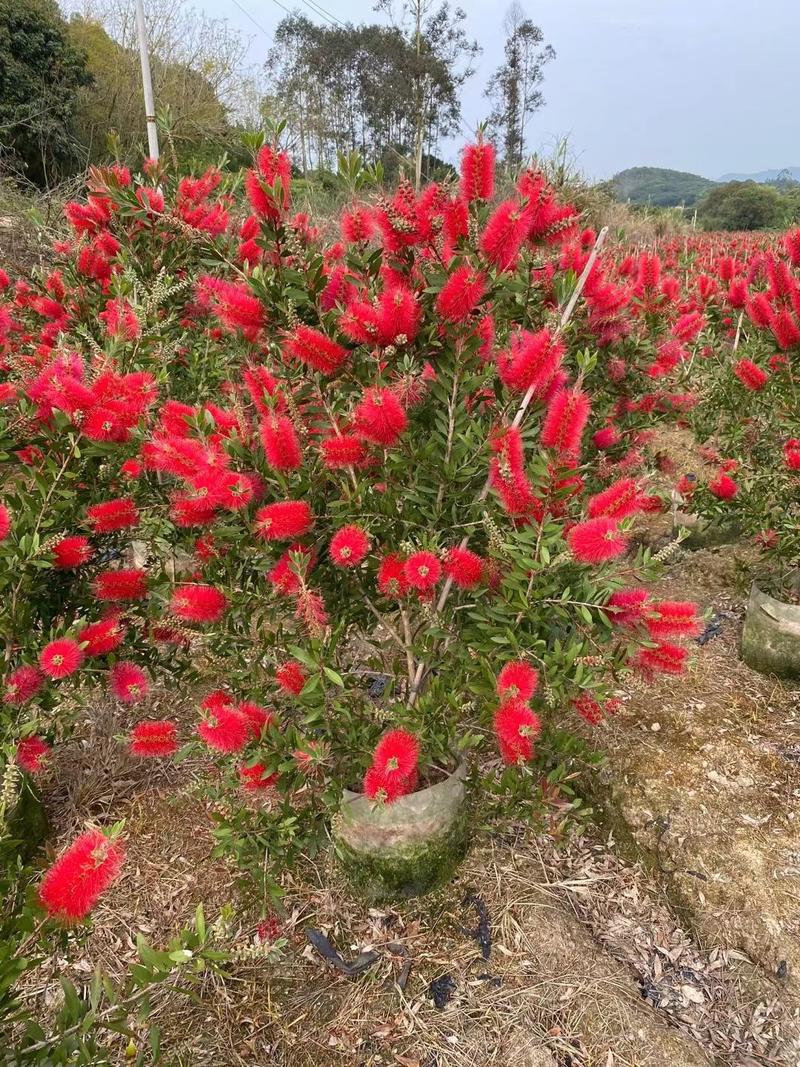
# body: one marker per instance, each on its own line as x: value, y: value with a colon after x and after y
x: 147, y: 82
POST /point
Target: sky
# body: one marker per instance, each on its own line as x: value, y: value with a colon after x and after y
x: 708, y: 86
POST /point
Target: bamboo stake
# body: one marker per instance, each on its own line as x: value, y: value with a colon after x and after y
x: 147, y: 82
x: 520, y: 415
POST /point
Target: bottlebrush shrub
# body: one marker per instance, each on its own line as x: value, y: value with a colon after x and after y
x: 748, y: 386
x: 396, y: 488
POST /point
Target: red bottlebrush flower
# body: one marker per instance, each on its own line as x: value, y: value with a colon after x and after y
x: 113, y: 515
x: 461, y: 294
x: 281, y: 446
x: 99, y: 638
x: 256, y: 715
x: 131, y: 468
x: 285, y: 575
x: 750, y: 375
x: 785, y: 329
x: 392, y: 581
x: 79, y: 877
x: 224, y: 729
x: 596, y: 541
x: 463, y: 567
x: 617, y: 502
x: 72, y: 552
x: 343, y: 451
x: 121, y: 585
x: 564, y: 422
x: 396, y: 755
x: 674, y: 618
x: 198, y: 603
x: 531, y: 361
x: 284, y: 519
x: 477, y: 172
x: 155, y: 738
x: 606, y: 438
x: 422, y: 571
x: 504, y: 235
x: 627, y: 607
x: 5, y: 522
x: 724, y: 487
x: 22, y: 684
x: 398, y: 315
x: 517, y: 680
x: 315, y: 350
x: 61, y: 658
x: 664, y: 659
x: 349, y: 546
x: 588, y: 709
x: 310, y: 609
x: 688, y: 326
x: 269, y: 185
x: 516, y: 727
x: 791, y: 454
x: 357, y: 224
x: 256, y: 777
x: 32, y: 754
x: 291, y: 677
x: 128, y: 682
x: 380, y: 416
x: 120, y: 320
x: 382, y: 788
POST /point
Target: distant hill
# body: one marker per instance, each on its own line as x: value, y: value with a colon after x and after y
x: 770, y: 177
x: 658, y: 186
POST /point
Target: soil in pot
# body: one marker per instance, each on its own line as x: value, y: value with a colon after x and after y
x: 395, y: 851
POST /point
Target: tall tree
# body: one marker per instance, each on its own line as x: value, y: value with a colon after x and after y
x: 514, y: 89
x: 443, y: 60
x: 40, y: 75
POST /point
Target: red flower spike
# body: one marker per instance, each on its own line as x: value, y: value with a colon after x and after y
x: 79, y: 877
x: 315, y: 350
x: 5, y: 522
x: 396, y: 755
x: 119, y: 514
x: 121, y: 585
x: 380, y: 417
x: 596, y: 541
x: 156, y: 738
x: 392, y: 581
x: 72, y: 552
x: 516, y: 727
x: 291, y: 677
x: 198, y: 603
x: 465, y: 568
x: 422, y: 571
x: 284, y: 519
x: 477, y: 172
x: 32, y: 754
x: 128, y: 682
x: 349, y: 546
x: 61, y: 658
x: 517, y: 680
x: 22, y: 685
x: 225, y: 729
x: 256, y: 778
x: 100, y: 638
x: 723, y: 487
x: 673, y: 618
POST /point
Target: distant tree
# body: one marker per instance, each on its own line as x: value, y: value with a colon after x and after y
x: 443, y: 58
x: 345, y: 88
x: 40, y: 75
x: 196, y: 66
x: 742, y: 206
x: 514, y: 89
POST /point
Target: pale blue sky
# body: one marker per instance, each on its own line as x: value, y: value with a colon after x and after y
x: 709, y: 86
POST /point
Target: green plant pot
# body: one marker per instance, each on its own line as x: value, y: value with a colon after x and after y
x: 704, y: 534
x: 401, y: 850
x: 771, y: 635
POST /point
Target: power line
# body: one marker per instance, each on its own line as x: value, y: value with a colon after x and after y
x: 318, y: 9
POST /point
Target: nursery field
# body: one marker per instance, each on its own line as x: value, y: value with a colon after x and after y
x: 400, y: 630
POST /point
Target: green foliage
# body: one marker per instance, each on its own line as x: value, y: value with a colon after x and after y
x: 742, y: 206
x: 41, y: 72
x: 658, y: 186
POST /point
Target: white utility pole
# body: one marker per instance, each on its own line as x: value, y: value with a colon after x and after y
x: 147, y: 82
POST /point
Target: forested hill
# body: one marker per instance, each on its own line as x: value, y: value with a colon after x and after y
x: 658, y: 186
